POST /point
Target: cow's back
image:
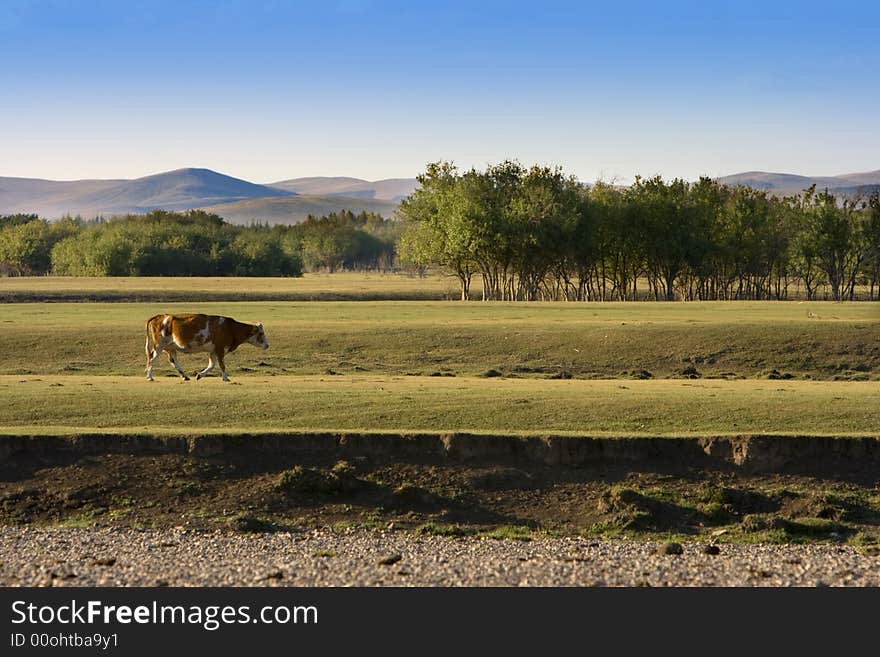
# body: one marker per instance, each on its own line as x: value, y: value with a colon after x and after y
x: 198, y: 332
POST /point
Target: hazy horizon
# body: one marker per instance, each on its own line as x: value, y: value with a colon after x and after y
x: 345, y: 177
x: 268, y: 91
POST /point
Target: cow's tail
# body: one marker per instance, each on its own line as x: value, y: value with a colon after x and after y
x: 148, y: 345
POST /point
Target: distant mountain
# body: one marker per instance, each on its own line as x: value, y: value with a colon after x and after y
x: 173, y: 190
x: 787, y: 183
x: 294, y: 209
x: 288, y: 201
x: 860, y: 191
x: 393, y: 189
x: 49, y: 198
x: 867, y: 178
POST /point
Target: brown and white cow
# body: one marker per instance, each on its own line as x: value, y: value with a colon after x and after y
x: 199, y: 333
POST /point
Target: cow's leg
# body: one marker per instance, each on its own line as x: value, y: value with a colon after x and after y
x: 151, y: 359
x: 172, y: 357
x: 222, y: 365
x: 211, y: 365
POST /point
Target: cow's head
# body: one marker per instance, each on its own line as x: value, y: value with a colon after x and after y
x: 258, y: 336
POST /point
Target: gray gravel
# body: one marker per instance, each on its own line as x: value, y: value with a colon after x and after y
x: 113, y: 557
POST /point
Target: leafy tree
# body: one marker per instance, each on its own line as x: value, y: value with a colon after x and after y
x: 164, y: 243
x: 24, y: 248
x: 545, y: 212
x: 872, y: 244
x: 538, y: 234
x: 837, y: 240
x: 436, y: 228
x: 16, y: 219
x: 26, y: 244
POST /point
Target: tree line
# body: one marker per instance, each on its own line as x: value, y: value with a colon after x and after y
x: 536, y: 233
x: 525, y: 233
x: 193, y: 243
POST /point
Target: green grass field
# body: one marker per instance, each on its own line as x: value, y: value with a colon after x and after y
x: 73, y: 403
x: 311, y: 286
x: 592, y: 341
x: 439, y: 366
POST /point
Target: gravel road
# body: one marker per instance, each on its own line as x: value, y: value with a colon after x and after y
x: 113, y: 557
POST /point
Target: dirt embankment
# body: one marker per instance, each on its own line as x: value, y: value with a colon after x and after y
x: 740, y: 488
x: 758, y: 453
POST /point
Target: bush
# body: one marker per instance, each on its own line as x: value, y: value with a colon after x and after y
x: 309, y: 481
x: 193, y: 243
x: 26, y: 243
x: 163, y: 243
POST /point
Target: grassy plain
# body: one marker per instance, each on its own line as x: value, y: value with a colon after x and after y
x: 311, y: 286
x: 588, y: 340
x: 74, y: 403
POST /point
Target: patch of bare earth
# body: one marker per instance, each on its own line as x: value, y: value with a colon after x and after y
x: 433, y: 496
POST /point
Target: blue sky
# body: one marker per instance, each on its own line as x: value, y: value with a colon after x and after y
x: 268, y: 90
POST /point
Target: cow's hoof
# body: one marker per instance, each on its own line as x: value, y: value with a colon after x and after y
x: 198, y: 377
x: 186, y: 378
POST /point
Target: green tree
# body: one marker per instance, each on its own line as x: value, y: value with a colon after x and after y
x: 669, y: 224
x: 16, y: 219
x: 437, y: 227
x: 837, y: 238
x: 872, y: 240
x: 545, y: 212
x: 25, y: 248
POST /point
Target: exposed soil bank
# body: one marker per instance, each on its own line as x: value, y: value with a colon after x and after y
x: 739, y: 489
x: 815, y: 455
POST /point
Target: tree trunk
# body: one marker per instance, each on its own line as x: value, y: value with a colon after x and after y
x: 670, y: 288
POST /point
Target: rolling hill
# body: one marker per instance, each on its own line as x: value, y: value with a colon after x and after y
x: 392, y: 189
x: 237, y: 200
x: 786, y: 183
x: 290, y: 201
x: 294, y: 209
x: 173, y: 190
